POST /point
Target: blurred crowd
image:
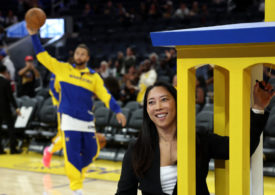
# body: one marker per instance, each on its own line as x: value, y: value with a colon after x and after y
x: 125, y: 75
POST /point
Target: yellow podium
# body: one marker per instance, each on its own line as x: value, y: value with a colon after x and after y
x: 234, y: 50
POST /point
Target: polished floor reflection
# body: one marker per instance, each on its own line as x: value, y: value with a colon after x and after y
x: 16, y: 182
x: 24, y: 174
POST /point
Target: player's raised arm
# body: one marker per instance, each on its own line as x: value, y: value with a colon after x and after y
x: 35, y: 18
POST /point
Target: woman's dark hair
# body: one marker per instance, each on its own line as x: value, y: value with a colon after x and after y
x: 147, y: 141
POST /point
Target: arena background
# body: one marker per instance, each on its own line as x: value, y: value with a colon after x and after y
x: 110, y: 28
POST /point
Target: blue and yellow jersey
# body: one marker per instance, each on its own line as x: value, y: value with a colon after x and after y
x: 77, y: 87
x: 54, y: 90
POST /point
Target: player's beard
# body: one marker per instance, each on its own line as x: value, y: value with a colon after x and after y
x: 80, y: 63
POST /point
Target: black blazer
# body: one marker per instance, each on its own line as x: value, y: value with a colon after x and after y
x: 208, y: 145
x: 6, y: 98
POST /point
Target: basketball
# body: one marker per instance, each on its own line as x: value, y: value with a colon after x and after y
x: 101, y: 140
x: 35, y: 18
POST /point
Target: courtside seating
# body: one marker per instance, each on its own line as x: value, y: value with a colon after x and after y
x: 44, y: 92
x: 135, y: 122
x: 197, y: 108
x: 205, y: 119
x: 121, y: 136
x: 102, y: 117
x: 113, y: 122
x: 44, y: 128
x: 208, y: 107
x: 48, y: 114
x: 98, y: 104
x: 132, y: 105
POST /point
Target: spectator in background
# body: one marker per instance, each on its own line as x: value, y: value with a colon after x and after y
x: 130, y: 60
x: 123, y: 16
x: 2, y: 19
x: 104, y: 69
x: 28, y: 78
x: 142, y: 12
x: 204, y: 14
x: 87, y: 11
x: 210, y: 84
x: 168, y: 9
x: 119, y: 62
x: 112, y: 68
x: 262, y: 6
x: 109, y: 9
x: 22, y: 7
x: 112, y: 85
x: 195, y: 10
x: 6, y: 61
x: 148, y: 77
x: 170, y: 61
x: 153, y: 11
x: 11, y: 18
x: 210, y: 79
x: 182, y: 12
x: 6, y: 99
x: 154, y: 60
x: 201, y: 91
x: 165, y: 70
x: 129, y: 89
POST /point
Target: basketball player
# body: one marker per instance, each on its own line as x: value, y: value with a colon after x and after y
x: 78, y: 84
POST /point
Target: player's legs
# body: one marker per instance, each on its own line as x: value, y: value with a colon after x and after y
x: 80, y: 148
x: 90, y: 150
x: 55, y: 146
x: 57, y: 140
x: 72, y: 157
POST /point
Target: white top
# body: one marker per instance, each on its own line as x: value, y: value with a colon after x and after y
x: 69, y: 123
x: 148, y: 78
x: 168, y: 178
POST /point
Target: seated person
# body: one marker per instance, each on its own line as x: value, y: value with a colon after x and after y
x: 29, y: 76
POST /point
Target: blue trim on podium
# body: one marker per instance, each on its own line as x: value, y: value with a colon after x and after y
x: 259, y: 32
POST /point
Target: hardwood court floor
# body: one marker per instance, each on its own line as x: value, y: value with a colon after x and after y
x: 15, y: 182
x: 24, y: 174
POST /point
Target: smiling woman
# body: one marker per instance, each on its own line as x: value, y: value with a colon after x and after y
x: 150, y: 163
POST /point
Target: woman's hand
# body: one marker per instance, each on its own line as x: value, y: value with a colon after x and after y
x: 262, y: 97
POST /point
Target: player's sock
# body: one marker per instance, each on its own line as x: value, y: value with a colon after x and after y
x: 50, y: 148
x: 47, y: 157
